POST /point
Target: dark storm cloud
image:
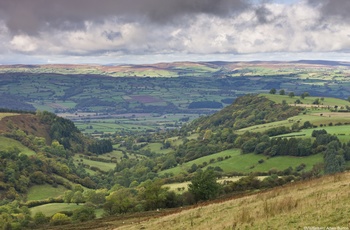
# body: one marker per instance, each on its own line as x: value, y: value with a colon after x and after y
x: 338, y: 9
x: 31, y: 16
x: 262, y: 14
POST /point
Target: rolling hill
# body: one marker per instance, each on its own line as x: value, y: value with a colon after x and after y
x: 258, y: 135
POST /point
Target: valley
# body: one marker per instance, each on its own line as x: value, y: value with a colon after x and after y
x: 268, y: 139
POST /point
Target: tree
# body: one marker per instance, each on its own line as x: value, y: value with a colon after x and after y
x: 333, y: 162
x: 305, y: 94
x: 282, y: 92
x: 68, y: 195
x: 95, y: 197
x: 204, y: 186
x: 316, y: 101
x: 84, y: 214
x: 307, y: 124
x: 120, y: 201
x: 59, y: 219
x: 40, y: 218
x: 249, y: 146
x: 291, y: 94
x: 153, y: 194
x: 78, y: 197
x: 273, y: 91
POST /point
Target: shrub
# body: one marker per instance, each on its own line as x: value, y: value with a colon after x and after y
x: 84, y: 214
x: 59, y: 219
x: 40, y: 218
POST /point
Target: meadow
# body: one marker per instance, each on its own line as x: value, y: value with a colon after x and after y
x: 8, y: 143
x: 233, y: 161
x: 41, y: 192
x: 104, y: 166
x: 53, y: 208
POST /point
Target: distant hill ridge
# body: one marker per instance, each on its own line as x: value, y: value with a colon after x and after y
x: 174, y: 67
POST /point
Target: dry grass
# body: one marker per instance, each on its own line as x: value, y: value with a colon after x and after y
x: 2, y: 115
x: 323, y: 202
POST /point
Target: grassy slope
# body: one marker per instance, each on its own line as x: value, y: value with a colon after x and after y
x: 342, y: 132
x: 41, y: 192
x: 6, y: 143
x: 104, y: 166
x: 246, y: 163
x: 308, y: 100
x: 313, y: 115
x: 156, y: 147
x: 323, y: 202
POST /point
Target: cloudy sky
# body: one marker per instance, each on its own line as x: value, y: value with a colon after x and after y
x: 148, y: 31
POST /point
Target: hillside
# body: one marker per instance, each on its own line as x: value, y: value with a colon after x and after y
x: 321, y: 202
x: 158, y: 96
x: 28, y: 123
x: 47, y: 164
x: 294, y: 206
x: 247, y: 111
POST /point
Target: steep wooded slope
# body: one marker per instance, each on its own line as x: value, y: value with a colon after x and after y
x: 247, y: 111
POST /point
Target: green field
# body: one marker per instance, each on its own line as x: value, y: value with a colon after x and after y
x: 157, y: 148
x: 246, y: 163
x: 314, y: 118
x: 328, y: 101
x: 53, y: 208
x: 41, y: 192
x: 7, y: 143
x: 104, y: 166
x: 342, y: 132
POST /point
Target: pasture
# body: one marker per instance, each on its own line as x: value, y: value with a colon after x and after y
x: 233, y: 161
x: 41, y: 192
x: 53, y: 208
x: 8, y: 143
x: 316, y: 118
x: 104, y: 166
x: 307, y: 101
x: 341, y: 131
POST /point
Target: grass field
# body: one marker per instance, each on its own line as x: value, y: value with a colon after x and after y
x: 101, y: 165
x: 342, y: 132
x: 156, y: 147
x: 314, y: 118
x: 246, y: 163
x: 53, y: 208
x: 41, y: 192
x: 7, y: 143
x: 328, y: 101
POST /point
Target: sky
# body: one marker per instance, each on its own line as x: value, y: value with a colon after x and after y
x: 150, y: 31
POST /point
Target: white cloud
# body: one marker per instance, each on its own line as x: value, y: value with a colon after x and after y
x: 24, y: 43
x: 295, y: 27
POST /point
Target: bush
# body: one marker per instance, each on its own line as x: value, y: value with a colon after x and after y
x: 84, y: 214
x: 59, y: 219
x: 40, y: 218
